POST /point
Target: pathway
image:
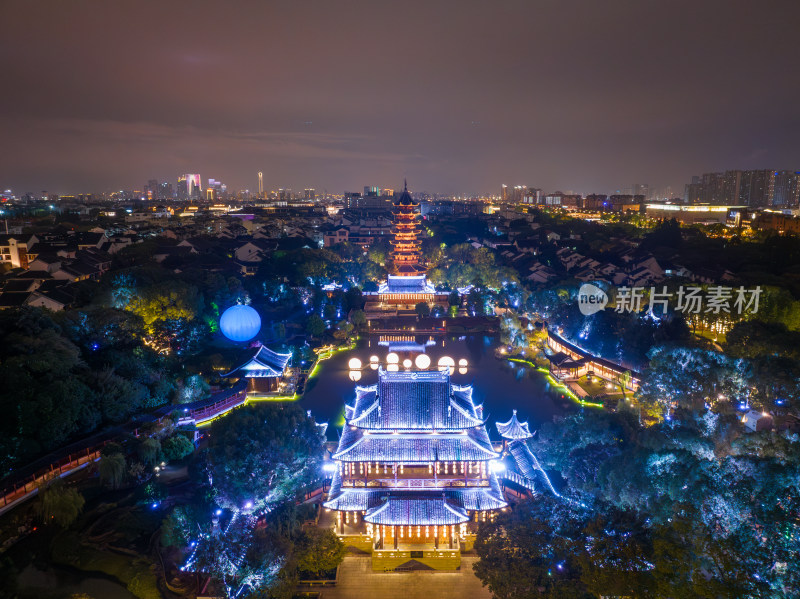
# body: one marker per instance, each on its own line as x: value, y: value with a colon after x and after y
x: 357, y: 580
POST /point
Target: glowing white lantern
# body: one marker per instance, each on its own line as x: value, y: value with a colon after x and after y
x: 374, y: 365
x: 355, y: 375
x: 447, y: 364
x: 462, y: 362
x: 354, y: 364
x: 392, y: 358
x: 422, y: 361
x: 407, y: 363
x: 392, y: 368
x: 373, y: 359
x: 462, y: 370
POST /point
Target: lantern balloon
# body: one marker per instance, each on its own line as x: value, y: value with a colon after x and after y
x: 392, y: 358
x: 240, y: 323
x: 462, y: 362
x: 422, y: 361
x: 355, y: 375
x: 354, y: 364
x: 406, y: 363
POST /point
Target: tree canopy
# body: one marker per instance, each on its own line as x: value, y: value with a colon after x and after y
x: 264, y: 454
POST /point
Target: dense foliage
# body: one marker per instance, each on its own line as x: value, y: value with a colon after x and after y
x: 67, y: 374
x: 263, y: 454
x: 693, y: 508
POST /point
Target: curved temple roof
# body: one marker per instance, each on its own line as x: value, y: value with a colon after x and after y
x: 415, y: 418
x: 420, y: 510
x: 514, y: 429
x: 414, y: 401
x: 265, y: 363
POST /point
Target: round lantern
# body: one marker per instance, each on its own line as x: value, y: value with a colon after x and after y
x: 422, y: 361
x: 240, y: 323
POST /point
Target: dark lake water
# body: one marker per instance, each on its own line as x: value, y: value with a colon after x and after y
x: 499, y: 384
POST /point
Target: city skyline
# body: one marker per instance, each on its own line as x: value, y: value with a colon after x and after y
x: 459, y: 99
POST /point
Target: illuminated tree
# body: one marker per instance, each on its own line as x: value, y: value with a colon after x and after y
x: 263, y: 454
x: 319, y: 550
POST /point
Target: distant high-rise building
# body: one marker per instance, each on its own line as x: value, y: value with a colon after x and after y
x: 504, y: 193
x: 641, y: 189
x: 151, y: 189
x: 165, y: 191
x: 532, y: 196
x: 371, y: 191
x: 194, y: 185
x: 260, y: 184
x: 309, y: 193
x: 190, y: 186
x: 284, y: 194
x: 753, y: 188
x: 784, y: 187
x: 182, y: 188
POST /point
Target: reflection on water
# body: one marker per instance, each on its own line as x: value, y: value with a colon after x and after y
x: 499, y: 384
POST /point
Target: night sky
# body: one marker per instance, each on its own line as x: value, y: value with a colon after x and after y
x: 457, y: 96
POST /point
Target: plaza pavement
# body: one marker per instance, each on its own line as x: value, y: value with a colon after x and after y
x: 357, y: 581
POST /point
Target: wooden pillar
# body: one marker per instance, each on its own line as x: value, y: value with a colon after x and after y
x: 394, y: 530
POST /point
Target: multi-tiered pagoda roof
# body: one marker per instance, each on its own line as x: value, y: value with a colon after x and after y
x: 416, y: 419
x: 405, y: 253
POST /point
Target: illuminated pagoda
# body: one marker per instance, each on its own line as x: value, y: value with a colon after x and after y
x: 413, y: 469
x: 406, y: 254
x: 407, y: 285
x: 264, y: 371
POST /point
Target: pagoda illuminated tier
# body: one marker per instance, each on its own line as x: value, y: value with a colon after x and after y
x: 413, y: 469
x: 405, y: 255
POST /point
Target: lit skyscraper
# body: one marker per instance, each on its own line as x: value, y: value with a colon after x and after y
x: 260, y: 184
x: 194, y: 185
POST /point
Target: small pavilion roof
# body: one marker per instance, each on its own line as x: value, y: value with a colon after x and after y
x: 423, y: 509
x: 265, y: 363
x: 514, y: 429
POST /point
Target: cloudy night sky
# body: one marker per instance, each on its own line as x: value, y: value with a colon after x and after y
x: 457, y: 96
